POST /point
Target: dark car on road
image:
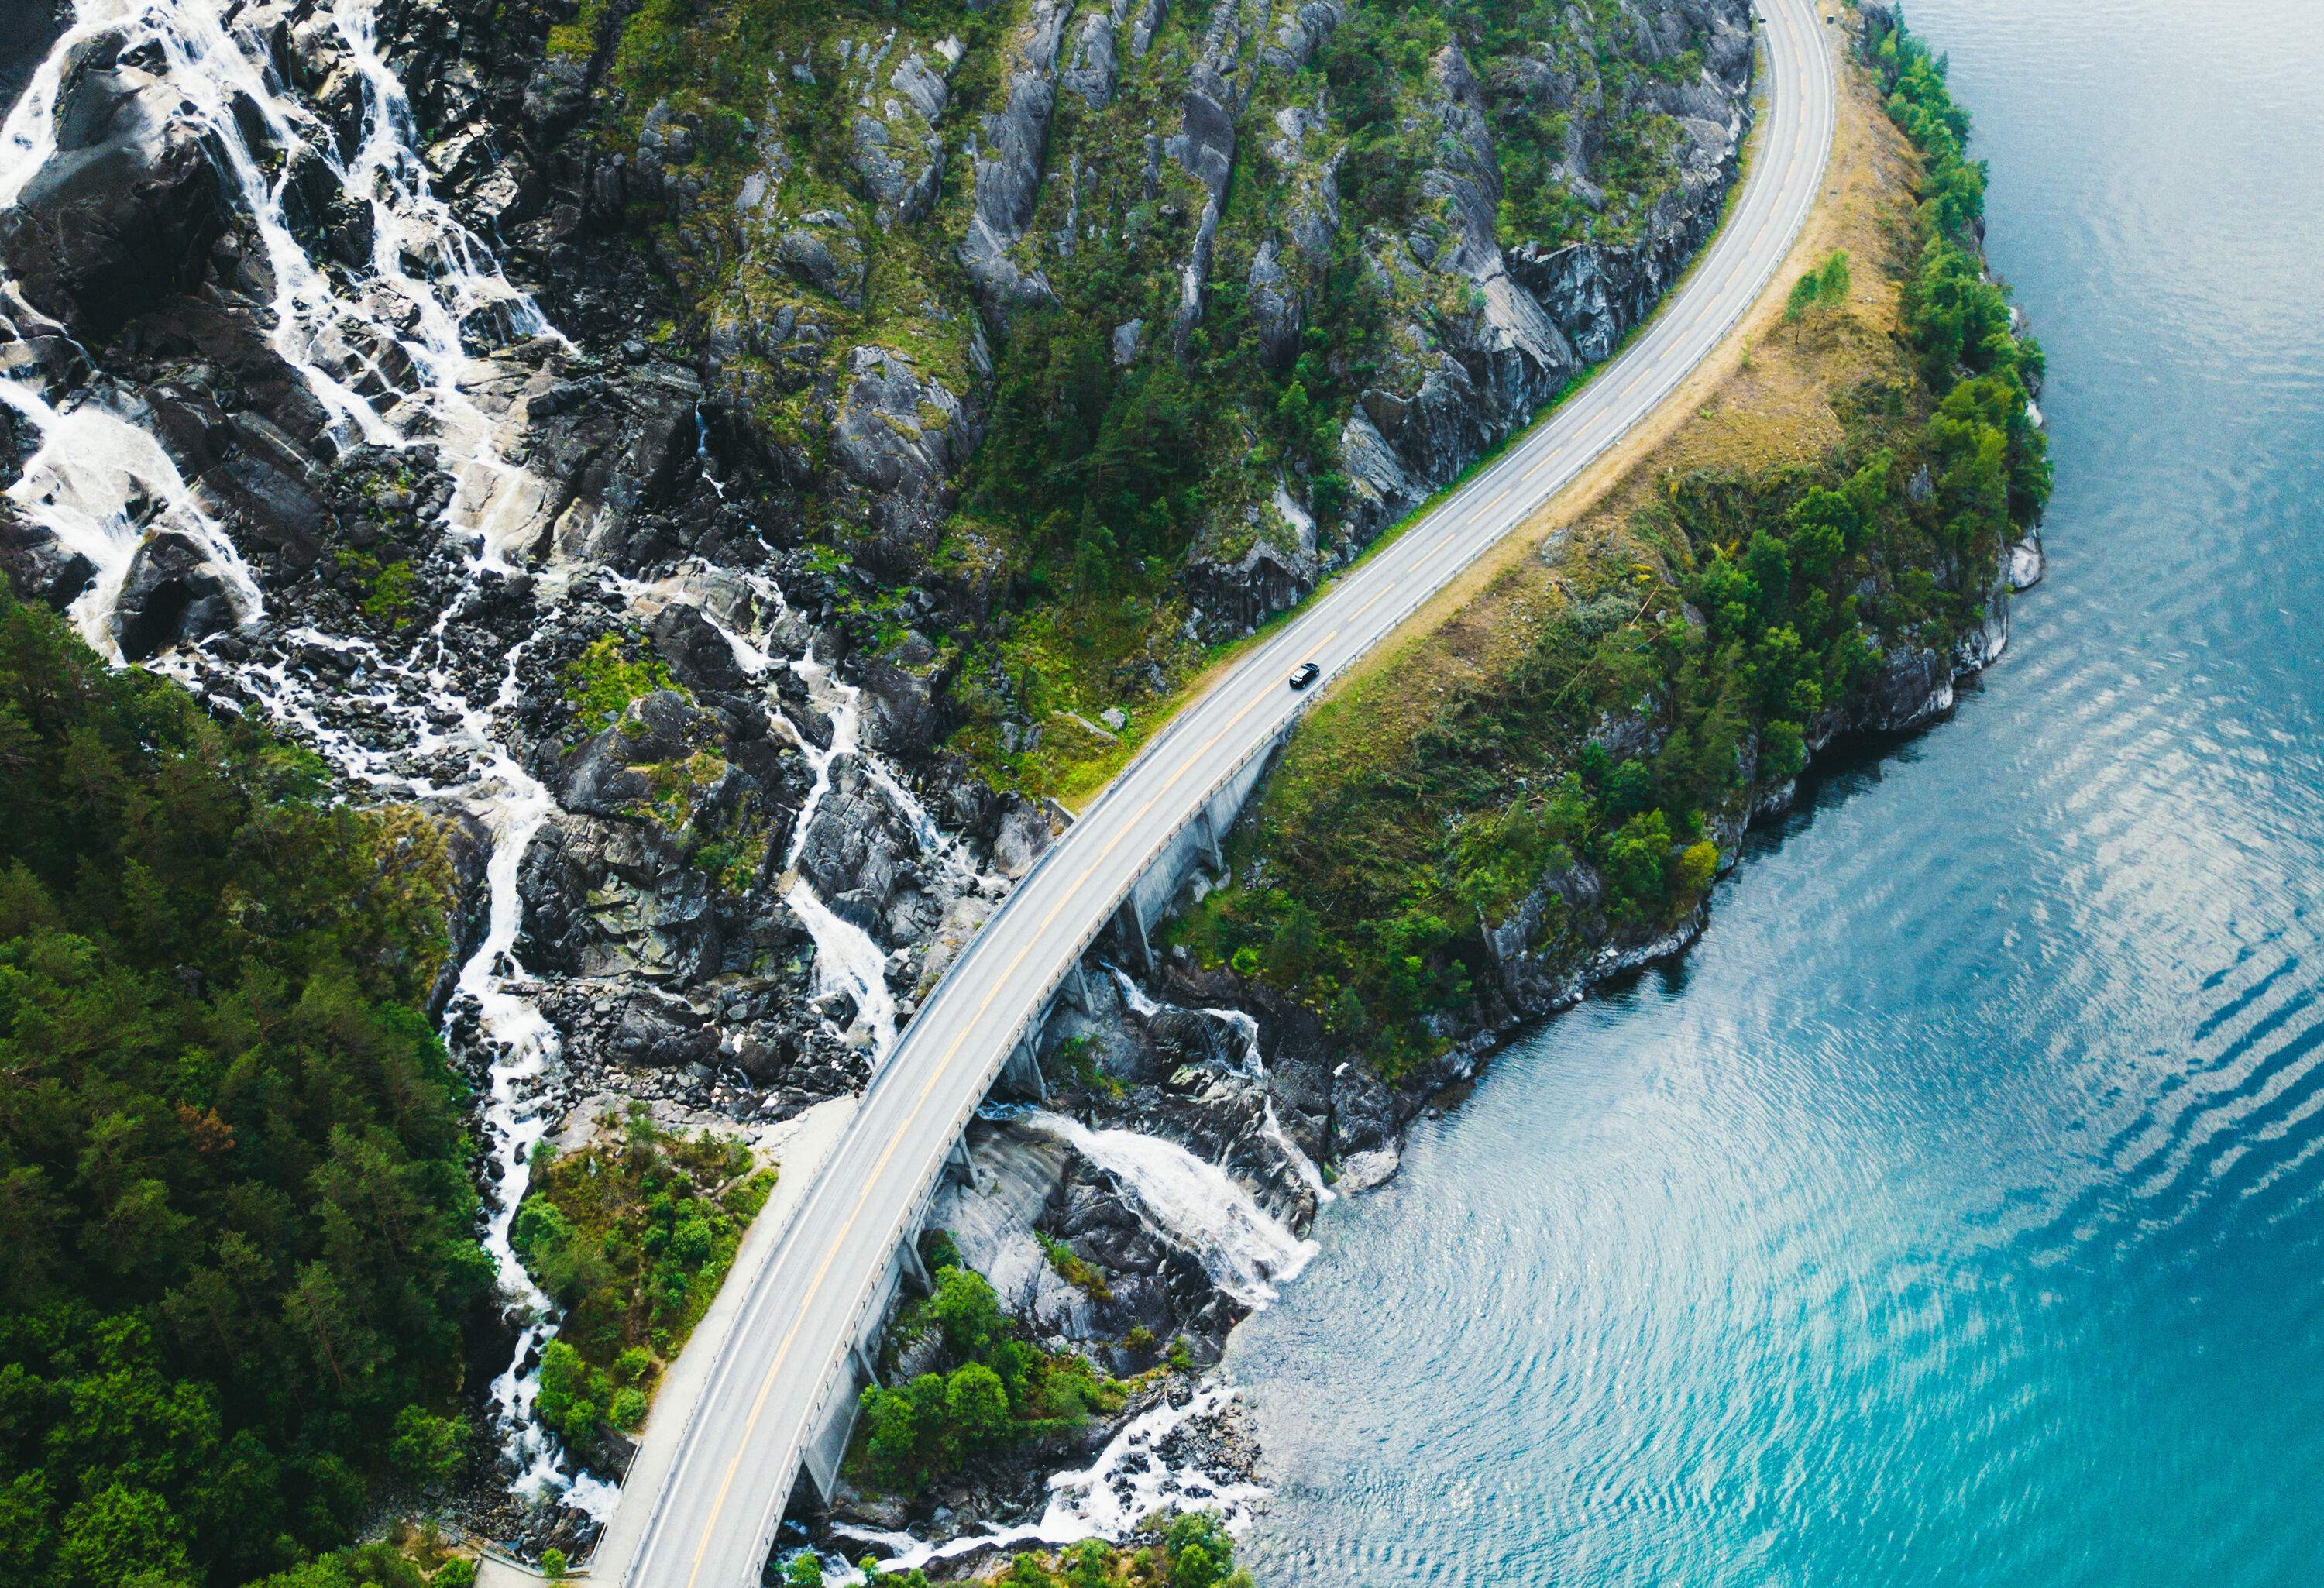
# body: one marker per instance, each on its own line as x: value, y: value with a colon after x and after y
x: 1307, y: 673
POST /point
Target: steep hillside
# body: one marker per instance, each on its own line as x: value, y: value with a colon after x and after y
x: 1077, y: 339
x: 712, y: 465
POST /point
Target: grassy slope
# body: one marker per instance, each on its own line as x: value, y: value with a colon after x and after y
x: 1654, y: 611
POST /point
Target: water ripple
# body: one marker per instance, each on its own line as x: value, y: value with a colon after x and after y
x: 1957, y: 1215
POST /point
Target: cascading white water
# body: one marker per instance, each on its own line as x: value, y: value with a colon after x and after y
x: 1246, y: 1252
x: 1270, y: 1125
x: 86, y: 480
x: 845, y: 956
x: 1127, y: 1484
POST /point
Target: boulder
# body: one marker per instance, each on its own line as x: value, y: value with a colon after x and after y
x: 856, y: 847
x: 616, y: 897
x: 174, y: 594
x: 905, y: 719
x: 37, y: 566
x: 697, y: 654
x: 662, y: 1033
x: 124, y: 213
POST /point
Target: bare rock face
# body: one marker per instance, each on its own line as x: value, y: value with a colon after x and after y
x: 125, y: 214
x: 1481, y: 335
x: 1096, y: 63
x: 1007, y: 162
x: 895, y: 149
x: 173, y: 594
x: 613, y: 451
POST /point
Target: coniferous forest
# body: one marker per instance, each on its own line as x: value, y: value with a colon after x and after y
x: 234, y: 1186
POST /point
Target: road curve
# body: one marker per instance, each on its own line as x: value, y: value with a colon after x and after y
x: 705, y: 1498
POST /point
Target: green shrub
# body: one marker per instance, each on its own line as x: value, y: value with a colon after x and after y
x: 427, y: 1450
x: 235, y: 1184
x: 997, y: 1389
x: 603, y: 679
x: 633, y: 1236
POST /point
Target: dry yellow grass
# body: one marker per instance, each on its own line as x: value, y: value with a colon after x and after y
x: 1764, y: 401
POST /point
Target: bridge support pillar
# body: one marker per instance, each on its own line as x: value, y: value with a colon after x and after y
x: 1209, y: 832
x: 1023, y: 1069
x: 1080, y: 988
x: 1132, y: 927
x: 864, y: 1364
x: 959, y: 1165
x: 908, y: 1257
x: 819, y: 1487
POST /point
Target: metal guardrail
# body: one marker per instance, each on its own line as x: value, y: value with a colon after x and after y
x: 916, y: 1208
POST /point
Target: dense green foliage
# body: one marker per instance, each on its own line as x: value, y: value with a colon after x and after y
x: 379, y: 1565
x: 234, y: 1184
x: 633, y: 1238
x: 603, y: 680
x: 997, y: 1388
x: 1192, y: 1550
x: 1062, y: 564
x: 1685, y: 670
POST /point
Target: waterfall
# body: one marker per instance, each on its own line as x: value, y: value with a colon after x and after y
x: 386, y: 351
x: 1270, y: 1124
x: 397, y: 351
x: 87, y: 480
x: 1196, y: 1204
x: 1130, y: 1480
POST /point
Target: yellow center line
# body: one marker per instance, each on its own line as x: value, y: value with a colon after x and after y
x: 936, y: 1073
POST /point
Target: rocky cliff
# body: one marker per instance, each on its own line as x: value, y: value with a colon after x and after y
x: 695, y: 452
x: 670, y: 313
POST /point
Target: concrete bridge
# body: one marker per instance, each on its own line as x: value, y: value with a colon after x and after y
x: 764, y: 1399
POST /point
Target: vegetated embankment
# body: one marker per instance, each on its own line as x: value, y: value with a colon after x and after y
x: 1536, y: 789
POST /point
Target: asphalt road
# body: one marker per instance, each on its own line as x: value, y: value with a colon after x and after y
x: 706, y: 1495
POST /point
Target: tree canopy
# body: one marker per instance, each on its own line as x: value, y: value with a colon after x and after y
x: 233, y: 1167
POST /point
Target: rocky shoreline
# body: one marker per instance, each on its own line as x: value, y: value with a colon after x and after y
x: 347, y: 381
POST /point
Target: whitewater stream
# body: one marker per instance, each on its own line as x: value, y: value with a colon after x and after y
x: 400, y: 351
x: 397, y: 354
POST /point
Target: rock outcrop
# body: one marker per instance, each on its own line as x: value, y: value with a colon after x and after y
x: 1007, y: 159
x: 125, y: 212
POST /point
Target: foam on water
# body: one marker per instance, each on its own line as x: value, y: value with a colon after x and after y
x: 1241, y: 1247
x: 1130, y: 1480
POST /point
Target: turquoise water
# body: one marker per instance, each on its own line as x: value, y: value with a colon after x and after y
x: 1956, y: 1215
